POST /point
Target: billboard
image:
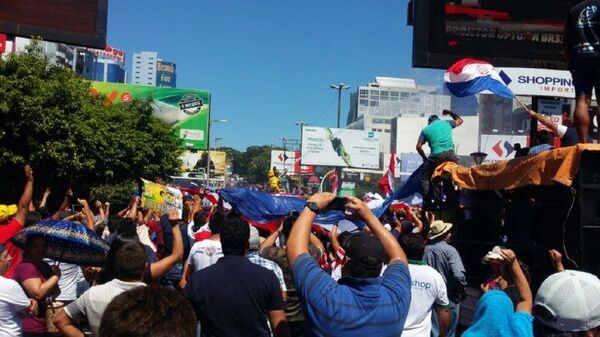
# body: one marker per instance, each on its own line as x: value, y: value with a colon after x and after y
x: 501, y: 147
x: 292, y: 162
x: 507, y: 33
x: 166, y: 74
x: 340, y: 147
x: 76, y: 22
x: 110, y: 53
x: 536, y: 82
x: 187, y: 110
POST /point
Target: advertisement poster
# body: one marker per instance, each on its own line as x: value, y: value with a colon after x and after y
x: 501, y: 147
x: 186, y: 110
x: 161, y: 198
x: 340, y: 147
x: 292, y: 163
x: 166, y: 74
x: 218, y: 161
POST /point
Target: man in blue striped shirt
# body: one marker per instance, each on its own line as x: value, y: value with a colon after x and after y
x: 361, y: 303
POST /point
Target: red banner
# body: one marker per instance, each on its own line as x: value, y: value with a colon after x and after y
x: 2, y: 43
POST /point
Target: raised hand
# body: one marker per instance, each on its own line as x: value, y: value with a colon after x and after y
x: 28, y: 173
x: 322, y: 199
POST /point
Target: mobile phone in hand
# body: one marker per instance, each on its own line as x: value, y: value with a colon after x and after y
x: 338, y: 204
x: 76, y: 208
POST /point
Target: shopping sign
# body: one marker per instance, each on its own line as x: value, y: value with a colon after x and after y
x: 186, y: 110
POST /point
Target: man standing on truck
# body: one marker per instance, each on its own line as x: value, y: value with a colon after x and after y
x: 438, y: 135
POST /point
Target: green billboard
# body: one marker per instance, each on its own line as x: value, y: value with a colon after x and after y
x: 187, y: 110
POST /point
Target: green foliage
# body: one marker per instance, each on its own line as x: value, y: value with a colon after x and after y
x: 117, y: 194
x: 70, y: 137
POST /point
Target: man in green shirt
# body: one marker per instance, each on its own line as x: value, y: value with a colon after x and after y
x: 438, y: 135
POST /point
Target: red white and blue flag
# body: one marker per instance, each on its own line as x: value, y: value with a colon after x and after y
x: 386, y: 183
x: 470, y: 76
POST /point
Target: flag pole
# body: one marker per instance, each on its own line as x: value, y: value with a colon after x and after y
x: 521, y: 102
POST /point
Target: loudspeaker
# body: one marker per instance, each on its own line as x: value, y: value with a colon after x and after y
x: 589, y: 188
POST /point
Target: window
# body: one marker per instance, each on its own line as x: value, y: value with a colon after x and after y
x: 363, y: 93
x: 404, y: 94
x: 364, y: 102
x: 373, y: 103
x: 386, y: 130
x: 374, y: 94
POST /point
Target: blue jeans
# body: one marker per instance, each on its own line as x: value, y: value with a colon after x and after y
x: 454, y: 309
x: 172, y: 278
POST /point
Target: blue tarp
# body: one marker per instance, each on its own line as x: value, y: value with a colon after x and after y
x: 263, y: 207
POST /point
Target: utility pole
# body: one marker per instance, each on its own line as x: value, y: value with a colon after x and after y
x: 339, y: 87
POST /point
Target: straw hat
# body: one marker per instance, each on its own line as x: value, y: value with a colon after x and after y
x: 438, y: 228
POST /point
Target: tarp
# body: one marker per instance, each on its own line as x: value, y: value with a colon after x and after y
x: 557, y: 166
x: 263, y: 208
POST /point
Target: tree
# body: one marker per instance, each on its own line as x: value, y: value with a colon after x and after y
x: 70, y: 137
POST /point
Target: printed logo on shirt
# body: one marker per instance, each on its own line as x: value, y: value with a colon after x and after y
x: 420, y: 284
x: 587, y: 16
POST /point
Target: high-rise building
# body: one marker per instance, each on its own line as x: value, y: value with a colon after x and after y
x: 149, y: 69
x: 109, y: 65
x: 373, y: 106
x: 144, y: 68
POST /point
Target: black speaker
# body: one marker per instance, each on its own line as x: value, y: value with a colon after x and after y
x: 589, y: 188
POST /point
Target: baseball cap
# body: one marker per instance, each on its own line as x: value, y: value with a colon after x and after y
x: 254, y: 241
x: 432, y: 118
x: 364, y: 249
x: 569, y: 301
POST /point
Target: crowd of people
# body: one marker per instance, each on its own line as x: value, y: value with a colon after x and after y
x: 211, y: 273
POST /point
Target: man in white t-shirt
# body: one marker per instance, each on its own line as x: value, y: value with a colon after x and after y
x: 71, y: 276
x: 130, y: 265
x: 204, y: 253
x: 428, y: 291
x: 12, y: 300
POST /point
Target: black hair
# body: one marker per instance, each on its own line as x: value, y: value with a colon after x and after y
x: 130, y: 261
x: 413, y: 245
x: 234, y: 237
x: 110, y: 264
x: 216, y: 222
x: 29, y: 241
x: 543, y: 137
x: 117, y: 224
x: 199, y: 220
x: 32, y: 218
x: 44, y: 212
x: 148, y: 312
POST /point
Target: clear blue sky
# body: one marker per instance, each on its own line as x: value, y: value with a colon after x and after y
x: 269, y: 63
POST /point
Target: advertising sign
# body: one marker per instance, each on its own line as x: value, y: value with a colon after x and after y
x: 340, y: 147
x: 161, y: 198
x: 186, y: 110
x: 218, y: 160
x: 540, y: 82
x: 109, y: 53
x: 409, y: 163
x: 517, y: 33
x: 166, y: 74
x: 501, y: 147
x: 292, y: 163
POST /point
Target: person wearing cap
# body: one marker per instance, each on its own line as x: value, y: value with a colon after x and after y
x: 254, y: 257
x: 438, y: 135
x: 495, y: 314
x: 444, y: 258
x: 428, y: 291
x: 567, y: 304
x: 12, y: 300
x: 12, y: 219
x: 361, y: 303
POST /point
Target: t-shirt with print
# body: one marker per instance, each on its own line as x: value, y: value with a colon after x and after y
x: 91, y: 305
x: 582, y: 31
x: 205, y: 253
x: 25, y: 271
x: 12, y: 301
x: 70, y: 275
x: 7, y: 231
x: 428, y: 292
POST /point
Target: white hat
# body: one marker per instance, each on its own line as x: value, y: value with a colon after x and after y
x: 254, y: 240
x: 494, y: 254
x: 569, y: 301
x: 438, y: 228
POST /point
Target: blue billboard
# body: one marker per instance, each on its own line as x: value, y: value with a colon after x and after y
x: 166, y: 75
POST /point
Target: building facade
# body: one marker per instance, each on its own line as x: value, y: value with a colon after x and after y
x: 374, y: 106
x: 144, y: 68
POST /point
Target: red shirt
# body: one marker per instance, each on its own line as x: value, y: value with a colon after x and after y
x: 6, y: 233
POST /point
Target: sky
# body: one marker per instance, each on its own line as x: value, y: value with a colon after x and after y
x: 269, y: 63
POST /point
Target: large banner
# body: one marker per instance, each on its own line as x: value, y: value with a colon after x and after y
x: 340, y: 147
x: 161, y: 198
x: 218, y: 161
x: 166, y: 74
x: 187, y: 110
x: 292, y: 163
x: 501, y: 147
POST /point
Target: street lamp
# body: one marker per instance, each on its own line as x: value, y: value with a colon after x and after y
x: 339, y: 88
x: 478, y: 157
x: 210, y: 122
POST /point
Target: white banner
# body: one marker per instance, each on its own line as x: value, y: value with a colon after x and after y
x: 278, y: 157
x: 540, y: 82
x: 340, y: 147
x: 501, y: 147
